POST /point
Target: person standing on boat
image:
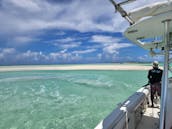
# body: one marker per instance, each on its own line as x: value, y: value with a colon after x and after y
x: 154, y: 76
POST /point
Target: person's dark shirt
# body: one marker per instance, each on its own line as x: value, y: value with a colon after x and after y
x: 155, y: 75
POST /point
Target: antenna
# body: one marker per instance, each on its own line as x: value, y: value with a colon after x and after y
x: 122, y: 11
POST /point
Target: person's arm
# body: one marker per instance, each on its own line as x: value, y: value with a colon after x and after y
x: 148, y: 75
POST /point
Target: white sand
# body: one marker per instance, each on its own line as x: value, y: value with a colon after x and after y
x: 77, y: 67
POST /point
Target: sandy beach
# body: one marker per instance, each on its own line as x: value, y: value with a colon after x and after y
x: 77, y: 67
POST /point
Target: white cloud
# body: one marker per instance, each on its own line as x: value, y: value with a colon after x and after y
x: 10, y: 56
x: 146, y: 58
x: 64, y: 40
x: 22, y: 21
x: 84, y: 51
x: 53, y: 57
x: 104, y: 39
x: 60, y: 33
x: 99, y: 56
x: 71, y: 45
x: 79, y: 15
x: 7, y: 55
x: 28, y: 16
x: 61, y: 57
x: 111, y: 45
x: 67, y: 43
x: 113, y: 48
x: 58, y: 56
x: 26, y: 5
x: 23, y: 39
x: 7, y: 51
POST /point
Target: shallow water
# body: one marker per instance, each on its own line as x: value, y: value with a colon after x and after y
x: 63, y: 99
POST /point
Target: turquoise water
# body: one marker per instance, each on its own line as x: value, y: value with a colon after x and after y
x: 63, y: 99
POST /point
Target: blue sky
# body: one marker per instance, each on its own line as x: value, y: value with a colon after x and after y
x: 65, y: 32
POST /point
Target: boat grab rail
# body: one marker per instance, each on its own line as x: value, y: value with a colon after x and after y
x: 120, y: 118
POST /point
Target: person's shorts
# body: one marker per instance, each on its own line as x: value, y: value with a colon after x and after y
x: 156, y: 87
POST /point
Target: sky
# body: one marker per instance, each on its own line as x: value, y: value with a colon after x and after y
x: 66, y: 32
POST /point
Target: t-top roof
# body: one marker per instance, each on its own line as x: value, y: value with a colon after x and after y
x: 150, y: 25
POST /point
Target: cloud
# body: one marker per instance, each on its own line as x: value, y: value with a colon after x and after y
x: 64, y: 40
x: 6, y: 52
x: 60, y: 33
x: 83, y: 16
x: 110, y: 44
x: 10, y: 56
x: 113, y: 49
x: 25, y: 5
x: 64, y: 57
x: 66, y: 43
x: 20, y: 17
x: 7, y: 55
x: 148, y: 58
x: 70, y: 45
x: 18, y: 40
x: 84, y: 51
x: 28, y: 16
x: 26, y: 21
x: 104, y: 39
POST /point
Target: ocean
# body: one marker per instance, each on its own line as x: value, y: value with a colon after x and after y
x: 72, y: 99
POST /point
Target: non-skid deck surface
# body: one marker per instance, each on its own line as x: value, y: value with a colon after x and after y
x: 150, y: 119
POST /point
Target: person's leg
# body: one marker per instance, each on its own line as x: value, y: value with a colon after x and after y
x: 159, y: 89
x: 152, y: 94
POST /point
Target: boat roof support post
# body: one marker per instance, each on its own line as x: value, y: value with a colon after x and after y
x: 122, y: 11
x: 165, y: 74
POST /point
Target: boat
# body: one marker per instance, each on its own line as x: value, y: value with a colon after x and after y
x: 150, y: 27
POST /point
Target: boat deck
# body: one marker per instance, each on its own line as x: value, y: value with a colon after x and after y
x: 150, y: 119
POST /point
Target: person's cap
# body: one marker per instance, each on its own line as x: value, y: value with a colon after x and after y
x: 155, y: 64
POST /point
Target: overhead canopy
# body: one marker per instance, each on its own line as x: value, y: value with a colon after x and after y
x: 150, y: 25
x: 151, y: 10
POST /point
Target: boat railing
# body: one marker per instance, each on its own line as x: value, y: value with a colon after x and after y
x: 128, y: 114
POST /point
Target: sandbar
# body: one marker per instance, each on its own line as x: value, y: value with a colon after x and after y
x: 77, y: 67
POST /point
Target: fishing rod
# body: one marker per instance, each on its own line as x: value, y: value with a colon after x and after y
x: 145, y: 85
x: 123, y: 13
